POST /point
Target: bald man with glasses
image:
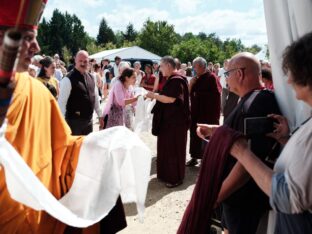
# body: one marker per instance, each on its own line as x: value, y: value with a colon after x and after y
x: 243, y: 203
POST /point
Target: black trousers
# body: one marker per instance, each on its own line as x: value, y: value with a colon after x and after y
x: 196, y: 143
x: 80, y: 126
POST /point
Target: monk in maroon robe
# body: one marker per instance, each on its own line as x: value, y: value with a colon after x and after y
x: 196, y: 218
x: 170, y: 124
x: 205, y: 92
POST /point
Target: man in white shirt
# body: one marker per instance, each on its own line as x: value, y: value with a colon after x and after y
x: 78, y: 97
x: 116, y: 65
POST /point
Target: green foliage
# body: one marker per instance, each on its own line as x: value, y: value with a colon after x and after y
x: 254, y: 49
x: 188, y: 36
x: 189, y: 49
x: 109, y: 46
x: 44, y: 37
x: 92, y: 47
x: 158, y: 37
x: 209, y: 47
x: 202, y: 36
x: 119, y: 39
x: 65, y: 35
x: 66, y: 54
x: 130, y: 34
x: 231, y: 47
x: 62, y: 31
x: 105, y: 34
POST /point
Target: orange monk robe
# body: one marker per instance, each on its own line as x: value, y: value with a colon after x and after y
x: 39, y: 133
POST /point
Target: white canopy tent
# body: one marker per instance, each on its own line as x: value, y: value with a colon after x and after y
x: 286, y: 21
x: 133, y: 53
x: 261, y: 55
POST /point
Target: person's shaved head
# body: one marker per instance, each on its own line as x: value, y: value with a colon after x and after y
x: 244, y: 73
x: 247, y: 60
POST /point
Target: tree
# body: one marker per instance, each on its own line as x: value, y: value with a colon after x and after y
x: 63, y: 34
x: 188, y: 36
x: 210, y: 47
x: 92, y: 46
x: 189, y: 49
x: 105, y: 34
x: 43, y: 37
x: 57, y: 32
x: 66, y: 54
x: 79, y: 38
x: 232, y: 46
x: 119, y: 39
x: 202, y: 36
x: 253, y: 49
x: 130, y: 34
x: 158, y: 37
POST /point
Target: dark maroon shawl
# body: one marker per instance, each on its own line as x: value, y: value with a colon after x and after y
x: 196, y: 218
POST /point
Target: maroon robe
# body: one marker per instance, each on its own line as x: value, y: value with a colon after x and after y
x: 170, y: 124
x: 196, y: 218
x: 205, y: 108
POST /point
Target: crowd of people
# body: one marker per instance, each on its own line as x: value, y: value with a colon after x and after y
x: 259, y: 176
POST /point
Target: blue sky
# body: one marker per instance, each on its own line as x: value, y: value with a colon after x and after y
x: 242, y: 19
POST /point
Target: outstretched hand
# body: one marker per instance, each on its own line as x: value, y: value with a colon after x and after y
x: 205, y: 130
x: 150, y: 95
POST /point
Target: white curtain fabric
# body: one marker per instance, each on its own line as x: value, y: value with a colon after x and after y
x: 286, y: 21
x: 111, y: 162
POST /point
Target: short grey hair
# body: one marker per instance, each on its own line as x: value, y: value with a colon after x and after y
x: 168, y: 60
x: 201, y: 61
x: 123, y: 65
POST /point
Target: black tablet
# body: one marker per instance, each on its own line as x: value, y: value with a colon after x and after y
x: 258, y: 126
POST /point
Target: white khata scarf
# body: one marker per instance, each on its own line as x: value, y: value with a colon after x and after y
x: 111, y: 162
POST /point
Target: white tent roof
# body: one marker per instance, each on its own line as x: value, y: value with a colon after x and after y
x: 261, y: 55
x: 133, y: 52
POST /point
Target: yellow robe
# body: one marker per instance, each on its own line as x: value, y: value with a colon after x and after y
x: 37, y: 130
x: 51, y: 81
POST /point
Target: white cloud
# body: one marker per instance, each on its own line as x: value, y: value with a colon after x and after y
x: 187, y: 6
x: 90, y: 27
x: 119, y: 18
x: 248, y: 26
x: 93, y: 3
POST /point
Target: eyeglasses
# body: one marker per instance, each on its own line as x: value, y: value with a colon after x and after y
x: 227, y: 73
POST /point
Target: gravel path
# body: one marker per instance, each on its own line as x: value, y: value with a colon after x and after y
x: 164, y: 206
